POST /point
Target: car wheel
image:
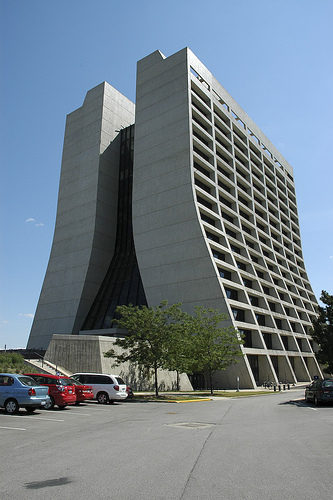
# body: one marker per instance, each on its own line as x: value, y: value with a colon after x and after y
x: 50, y: 404
x: 30, y: 409
x: 102, y: 398
x: 11, y: 406
x: 316, y: 401
x: 61, y: 407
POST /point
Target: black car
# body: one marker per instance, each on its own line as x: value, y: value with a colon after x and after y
x: 320, y: 391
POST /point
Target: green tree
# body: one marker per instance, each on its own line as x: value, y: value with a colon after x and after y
x: 179, y: 346
x: 213, y: 347
x: 322, y: 332
x: 149, y: 336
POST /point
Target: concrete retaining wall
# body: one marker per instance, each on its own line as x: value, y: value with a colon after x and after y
x: 85, y: 353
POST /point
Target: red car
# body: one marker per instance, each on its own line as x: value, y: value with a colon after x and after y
x: 83, y: 392
x: 61, y: 390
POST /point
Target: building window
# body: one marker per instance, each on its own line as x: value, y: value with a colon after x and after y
x: 243, y: 200
x: 254, y: 364
x: 245, y: 215
x: 247, y: 283
x: 202, y: 186
x: 261, y: 319
x: 207, y: 219
x: 225, y: 274
x: 230, y: 233
x: 278, y: 323
x: 231, y: 293
x: 218, y: 255
x: 239, y: 314
x: 254, y: 301
x: 205, y: 202
x: 247, y: 337
x: 235, y: 249
x: 212, y: 237
x: 241, y: 265
x: 225, y: 202
x: 268, y: 340
x: 201, y: 169
x: 227, y: 217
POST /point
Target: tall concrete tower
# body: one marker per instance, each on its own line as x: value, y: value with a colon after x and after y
x: 86, y: 223
x: 214, y: 221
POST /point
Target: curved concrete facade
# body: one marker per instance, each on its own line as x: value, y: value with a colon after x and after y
x: 215, y: 219
x: 85, y: 231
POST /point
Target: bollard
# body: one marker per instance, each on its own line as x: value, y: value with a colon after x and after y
x: 279, y: 387
x: 274, y: 388
x: 284, y: 387
x: 288, y: 387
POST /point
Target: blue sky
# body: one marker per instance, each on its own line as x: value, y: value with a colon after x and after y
x: 273, y: 56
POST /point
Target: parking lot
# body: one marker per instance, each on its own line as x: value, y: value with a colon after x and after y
x: 263, y: 447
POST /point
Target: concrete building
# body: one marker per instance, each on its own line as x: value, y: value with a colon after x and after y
x: 206, y: 215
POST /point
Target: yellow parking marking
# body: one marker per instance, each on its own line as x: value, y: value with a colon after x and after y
x: 189, y: 400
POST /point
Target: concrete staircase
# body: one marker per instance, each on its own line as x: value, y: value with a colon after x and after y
x: 44, y: 366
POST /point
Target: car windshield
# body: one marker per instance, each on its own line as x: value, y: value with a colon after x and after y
x: 328, y: 383
x: 119, y: 381
x: 27, y: 381
x: 73, y: 381
x: 64, y: 381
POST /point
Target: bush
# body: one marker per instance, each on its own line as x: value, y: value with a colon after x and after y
x: 12, y: 362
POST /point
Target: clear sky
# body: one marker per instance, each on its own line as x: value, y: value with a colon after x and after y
x: 275, y: 57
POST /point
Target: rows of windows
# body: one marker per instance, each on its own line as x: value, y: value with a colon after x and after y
x: 220, y: 123
x: 257, y: 210
x: 281, y: 272
x: 255, y: 339
x: 248, y: 207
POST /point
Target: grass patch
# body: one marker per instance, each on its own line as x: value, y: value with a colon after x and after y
x: 235, y: 394
x: 194, y: 396
x: 163, y: 397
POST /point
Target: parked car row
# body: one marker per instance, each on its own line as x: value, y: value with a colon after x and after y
x: 40, y: 390
x: 20, y: 390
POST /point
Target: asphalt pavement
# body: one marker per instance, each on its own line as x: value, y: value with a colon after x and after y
x: 272, y: 447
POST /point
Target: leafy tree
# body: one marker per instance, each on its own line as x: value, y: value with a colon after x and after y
x: 179, y: 346
x: 168, y: 338
x: 213, y: 347
x: 322, y: 332
x: 149, y: 336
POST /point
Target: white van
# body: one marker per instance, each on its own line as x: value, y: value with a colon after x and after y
x: 106, y: 388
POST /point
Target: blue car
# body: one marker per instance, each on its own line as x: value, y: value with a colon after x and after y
x: 21, y: 391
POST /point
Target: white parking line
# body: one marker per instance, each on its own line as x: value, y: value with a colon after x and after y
x: 13, y: 428
x: 35, y: 417
x: 83, y: 414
